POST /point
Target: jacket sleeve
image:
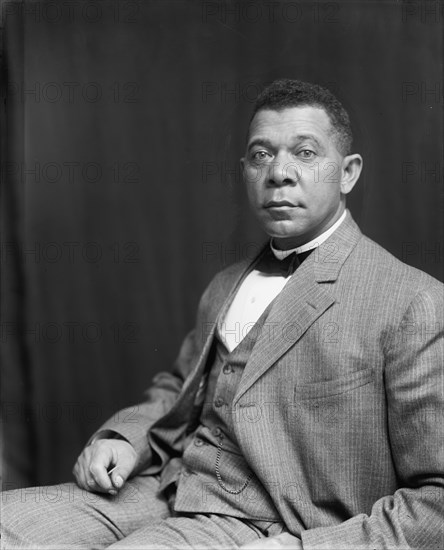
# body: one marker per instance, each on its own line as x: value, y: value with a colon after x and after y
x: 132, y: 423
x: 412, y: 517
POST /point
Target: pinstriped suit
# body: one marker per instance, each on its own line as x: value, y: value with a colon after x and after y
x: 341, y: 403
x: 340, y: 411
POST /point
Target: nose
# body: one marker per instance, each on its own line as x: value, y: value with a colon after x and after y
x: 283, y: 170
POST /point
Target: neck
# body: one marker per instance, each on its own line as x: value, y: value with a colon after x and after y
x: 309, y: 244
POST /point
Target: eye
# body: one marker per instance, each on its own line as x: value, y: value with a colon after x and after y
x: 260, y: 156
x: 307, y: 154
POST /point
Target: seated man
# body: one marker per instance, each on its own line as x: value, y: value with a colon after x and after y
x: 305, y: 409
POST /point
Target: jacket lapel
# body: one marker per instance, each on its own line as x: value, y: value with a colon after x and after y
x: 302, y: 301
x: 215, y: 304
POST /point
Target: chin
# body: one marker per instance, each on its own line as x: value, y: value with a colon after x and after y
x: 282, y: 231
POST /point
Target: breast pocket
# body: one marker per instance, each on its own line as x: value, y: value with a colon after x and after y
x: 337, y: 386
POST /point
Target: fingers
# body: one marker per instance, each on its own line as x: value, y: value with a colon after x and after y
x: 90, y: 470
x: 105, y: 465
x: 81, y: 470
x: 124, y: 462
x: 103, y: 457
x: 116, y: 477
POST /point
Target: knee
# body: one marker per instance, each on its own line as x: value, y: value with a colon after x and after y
x: 29, y: 499
x: 18, y: 506
x: 28, y: 511
x: 14, y: 523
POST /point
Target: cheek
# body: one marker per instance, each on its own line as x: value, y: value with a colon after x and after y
x: 253, y: 191
x: 253, y: 176
x: 322, y: 190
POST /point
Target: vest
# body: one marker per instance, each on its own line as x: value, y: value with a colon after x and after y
x: 215, y: 477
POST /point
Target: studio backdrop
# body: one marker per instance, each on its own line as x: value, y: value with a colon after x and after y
x: 122, y: 127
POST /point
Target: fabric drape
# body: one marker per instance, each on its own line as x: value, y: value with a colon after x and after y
x: 123, y: 125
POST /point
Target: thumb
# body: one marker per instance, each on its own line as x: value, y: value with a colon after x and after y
x: 120, y: 473
x: 119, y: 477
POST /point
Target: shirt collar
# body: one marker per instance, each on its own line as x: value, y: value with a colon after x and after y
x: 281, y: 254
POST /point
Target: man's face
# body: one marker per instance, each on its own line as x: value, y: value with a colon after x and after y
x: 293, y: 174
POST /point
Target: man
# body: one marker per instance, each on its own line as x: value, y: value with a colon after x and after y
x: 306, y: 408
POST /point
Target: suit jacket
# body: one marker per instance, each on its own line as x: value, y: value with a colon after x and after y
x: 341, y: 404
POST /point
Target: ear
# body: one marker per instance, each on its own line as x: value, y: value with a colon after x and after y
x: 351, y: 170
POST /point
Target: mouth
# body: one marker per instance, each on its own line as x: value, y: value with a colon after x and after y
x: 276, y: 205
x: 280, y: 205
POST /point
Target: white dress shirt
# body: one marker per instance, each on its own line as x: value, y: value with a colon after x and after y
x: 258, y: 290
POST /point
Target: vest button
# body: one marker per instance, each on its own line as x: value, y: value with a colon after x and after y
x: 219, y: 402
x: 228, y: 369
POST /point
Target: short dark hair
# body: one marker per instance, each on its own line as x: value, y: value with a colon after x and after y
x: 285, y: 93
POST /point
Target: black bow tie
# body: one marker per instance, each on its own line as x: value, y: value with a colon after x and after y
x: 273, y: 266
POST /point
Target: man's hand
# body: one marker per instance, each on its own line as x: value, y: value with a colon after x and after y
x: 96, y: 460
x: 285, y: 540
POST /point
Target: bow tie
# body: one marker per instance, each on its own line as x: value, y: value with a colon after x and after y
x: 273, y: 266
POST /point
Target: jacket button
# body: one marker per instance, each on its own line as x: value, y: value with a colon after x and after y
x: 198, y: 442
x: 228, y: 369
x: 219, y: 402
x: 217, y: 432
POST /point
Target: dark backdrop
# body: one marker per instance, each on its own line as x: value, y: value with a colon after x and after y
x: 122, y: 126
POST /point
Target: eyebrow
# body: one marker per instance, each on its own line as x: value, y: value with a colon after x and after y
x: 267, y: 143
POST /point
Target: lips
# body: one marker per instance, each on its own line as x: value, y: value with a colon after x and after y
x: 279, y: 204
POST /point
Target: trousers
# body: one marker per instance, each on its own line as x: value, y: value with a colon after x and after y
x: 67, y: 517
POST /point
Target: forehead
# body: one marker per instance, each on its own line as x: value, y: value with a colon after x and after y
x: 290, y: 123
